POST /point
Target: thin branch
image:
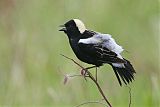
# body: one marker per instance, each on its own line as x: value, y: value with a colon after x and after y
x: 130, y: 97
x: 73, y: 61
x: 99, y: 88
x: 75, y: 75
x: 91, y: 102
x: 92, y: 78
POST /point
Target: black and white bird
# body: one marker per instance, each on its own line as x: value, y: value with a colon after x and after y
x: 97, y: 49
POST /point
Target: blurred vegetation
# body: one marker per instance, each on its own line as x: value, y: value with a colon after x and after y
x: 30, y: 47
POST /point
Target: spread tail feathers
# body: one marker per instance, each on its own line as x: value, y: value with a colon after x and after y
x: 126, y: 73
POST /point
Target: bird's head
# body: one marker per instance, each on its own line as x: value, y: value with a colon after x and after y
x: 73, y: 28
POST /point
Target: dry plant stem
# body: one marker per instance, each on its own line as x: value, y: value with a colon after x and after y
x: 130, y: 97
x: 99, y: 88
x: 73, y: 61
x: 90, y: 102
x: 92, y: 78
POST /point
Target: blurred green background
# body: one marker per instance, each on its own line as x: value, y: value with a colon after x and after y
x: 32, y: 70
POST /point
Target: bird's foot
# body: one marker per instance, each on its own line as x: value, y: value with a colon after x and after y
x: 84, y: 73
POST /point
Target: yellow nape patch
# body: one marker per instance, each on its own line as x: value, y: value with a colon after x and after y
x: 80, y: 25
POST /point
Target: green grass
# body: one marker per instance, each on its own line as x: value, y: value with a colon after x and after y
x: 30, y: 47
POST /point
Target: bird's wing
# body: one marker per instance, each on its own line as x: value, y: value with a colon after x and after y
x: 100, y: 48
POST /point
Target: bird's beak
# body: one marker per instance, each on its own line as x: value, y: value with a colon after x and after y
x: 63, y: 28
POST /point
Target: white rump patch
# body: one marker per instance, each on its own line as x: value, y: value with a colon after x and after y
x: 80, y: 25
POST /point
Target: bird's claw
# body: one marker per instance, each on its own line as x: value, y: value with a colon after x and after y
x: 84, y: 73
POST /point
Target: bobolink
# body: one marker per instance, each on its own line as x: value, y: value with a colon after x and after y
x: 96, y: 48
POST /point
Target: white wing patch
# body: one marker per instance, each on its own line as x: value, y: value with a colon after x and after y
x: 107, y: 41
x: 118, y: 65
x: 91, y: 40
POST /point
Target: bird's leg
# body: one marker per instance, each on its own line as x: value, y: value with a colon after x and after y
x: 96, y: 73
x: 91, y: 67
x: 84, y: 71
